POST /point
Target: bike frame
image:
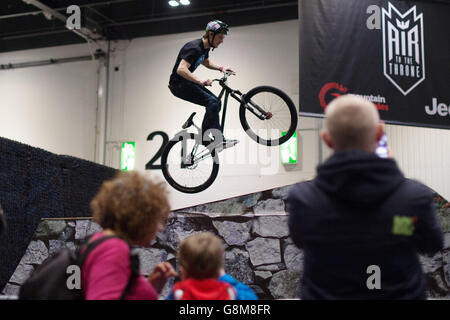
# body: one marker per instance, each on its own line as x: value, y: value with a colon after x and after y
x: 226, y: 92
x: 237, y: 95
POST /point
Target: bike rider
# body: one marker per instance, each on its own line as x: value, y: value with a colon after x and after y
x: 185, y: 85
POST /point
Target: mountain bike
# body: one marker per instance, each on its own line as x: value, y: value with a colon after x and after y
x: 267, y: 115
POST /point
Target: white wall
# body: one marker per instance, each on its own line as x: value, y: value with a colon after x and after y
x: 50, y: 107
x: 54, y: 108
x: 421, y: 153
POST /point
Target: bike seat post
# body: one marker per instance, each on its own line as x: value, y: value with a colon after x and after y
x: 198, y: 129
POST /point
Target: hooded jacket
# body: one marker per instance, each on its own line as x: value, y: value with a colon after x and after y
x: 203, y: 289
x: 361, y: 224
x: 243, y: 291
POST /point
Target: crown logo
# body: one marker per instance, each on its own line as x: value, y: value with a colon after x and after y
x: 342, y: 88
x: 402, y: 25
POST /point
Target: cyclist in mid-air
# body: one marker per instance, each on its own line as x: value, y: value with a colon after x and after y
x: 185, y: 85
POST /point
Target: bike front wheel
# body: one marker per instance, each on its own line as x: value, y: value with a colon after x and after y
x: 187, y: 165
x: 268, y: 115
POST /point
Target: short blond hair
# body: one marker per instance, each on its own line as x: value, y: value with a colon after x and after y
x: 351, y: 120
x: 201, y: 255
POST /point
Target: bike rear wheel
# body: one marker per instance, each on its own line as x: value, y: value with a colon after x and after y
x: 278, y: 113
x: 187, y: 165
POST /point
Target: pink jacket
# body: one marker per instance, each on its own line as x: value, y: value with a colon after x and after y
x: 106, y: 271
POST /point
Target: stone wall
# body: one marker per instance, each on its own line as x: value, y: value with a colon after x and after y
x: 259, y: 251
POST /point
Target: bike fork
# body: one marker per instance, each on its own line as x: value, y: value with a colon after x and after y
x: 263, y: 115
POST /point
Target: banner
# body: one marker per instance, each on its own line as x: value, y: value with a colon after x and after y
x: 394, y: 53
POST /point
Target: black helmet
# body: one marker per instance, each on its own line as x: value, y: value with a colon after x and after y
x: 217, y: 26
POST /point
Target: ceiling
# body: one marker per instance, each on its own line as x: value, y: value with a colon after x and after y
x: 25, y: 26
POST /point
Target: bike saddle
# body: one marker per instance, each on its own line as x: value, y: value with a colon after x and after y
x: 189, y: 121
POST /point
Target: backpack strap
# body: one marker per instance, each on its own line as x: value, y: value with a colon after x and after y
x: 134, y: 263
x: 134, y: 260
x: 89, y: 246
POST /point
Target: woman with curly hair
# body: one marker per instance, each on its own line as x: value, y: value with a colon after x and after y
x: 133, y: 209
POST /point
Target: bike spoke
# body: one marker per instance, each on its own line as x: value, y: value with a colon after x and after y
x: 269, y: 129
x: 196, y: 173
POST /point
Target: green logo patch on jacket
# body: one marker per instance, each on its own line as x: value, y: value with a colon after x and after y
x: 403, y: 225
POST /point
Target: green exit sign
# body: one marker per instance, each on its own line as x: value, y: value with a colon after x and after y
x: 127, y: 156
x: 289, y: 150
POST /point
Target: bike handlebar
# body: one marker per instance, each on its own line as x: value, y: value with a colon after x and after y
x: 226, y: 74
x: 229, y: 73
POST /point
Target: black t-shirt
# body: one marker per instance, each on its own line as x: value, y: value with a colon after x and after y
x: 193, y: 52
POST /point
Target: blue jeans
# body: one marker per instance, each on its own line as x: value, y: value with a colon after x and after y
x: 198, y: 94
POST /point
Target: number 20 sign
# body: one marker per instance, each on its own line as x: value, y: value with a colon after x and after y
x: 165, y: 139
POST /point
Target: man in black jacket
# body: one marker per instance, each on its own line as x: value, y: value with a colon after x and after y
x: 360, y: 222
